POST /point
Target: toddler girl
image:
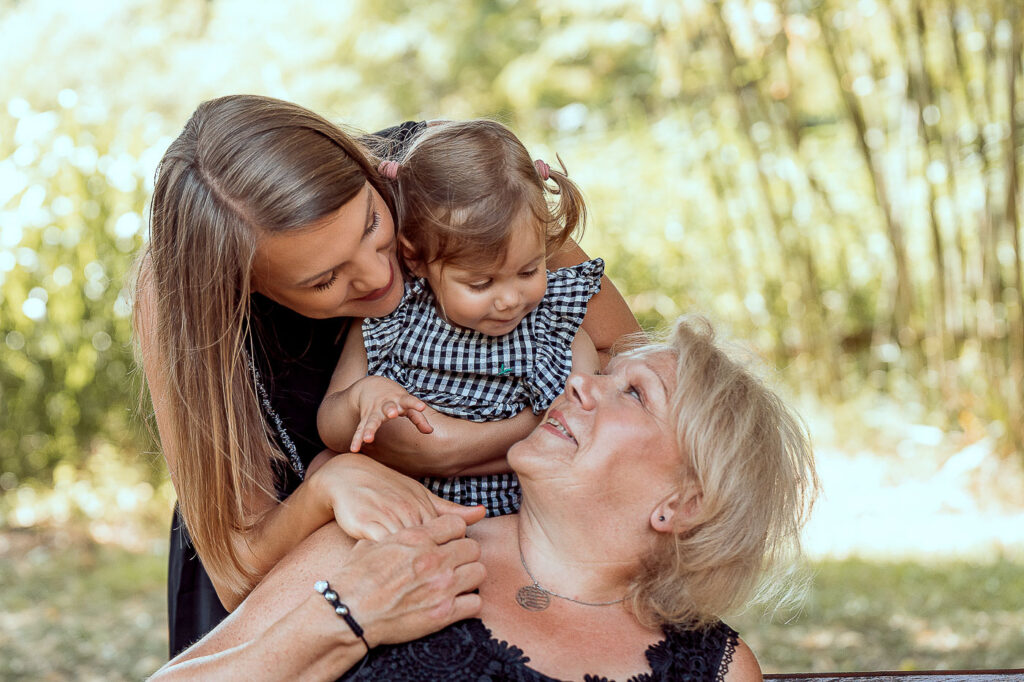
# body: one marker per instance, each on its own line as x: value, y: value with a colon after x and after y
x: 483, y: 330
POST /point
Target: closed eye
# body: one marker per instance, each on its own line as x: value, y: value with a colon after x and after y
x: 529, y: 273
x: 374, y: 224
x: 324, y: 286
x: 479, y: 286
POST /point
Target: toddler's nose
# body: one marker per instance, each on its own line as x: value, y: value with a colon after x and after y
x: 507, y: 300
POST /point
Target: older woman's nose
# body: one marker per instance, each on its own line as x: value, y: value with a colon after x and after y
x: 580, y: 388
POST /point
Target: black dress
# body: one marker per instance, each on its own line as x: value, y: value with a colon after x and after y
x: 295, y: 357
x: 467, y: 651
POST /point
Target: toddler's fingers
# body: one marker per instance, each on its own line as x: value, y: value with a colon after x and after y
x: 357, y: 439
x: 419, y: 420
x: 390, y: 409
x: 411, y: 402
x: 373, y: 423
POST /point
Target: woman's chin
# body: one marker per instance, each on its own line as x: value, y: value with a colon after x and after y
x: 533, y: 453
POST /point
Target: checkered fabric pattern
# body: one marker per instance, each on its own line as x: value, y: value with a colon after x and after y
x: 470, y: 375
x: 473, y: 376
x: 499, y: 493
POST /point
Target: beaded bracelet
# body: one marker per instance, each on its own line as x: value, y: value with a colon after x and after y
x: 324, y: 588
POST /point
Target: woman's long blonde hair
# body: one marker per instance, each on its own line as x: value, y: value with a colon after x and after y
x: 242, y: 167
x: 751, y: 458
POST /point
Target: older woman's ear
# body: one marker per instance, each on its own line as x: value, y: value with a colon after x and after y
x: 679, y: 511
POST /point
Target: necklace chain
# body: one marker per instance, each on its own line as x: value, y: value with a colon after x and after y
x: 535, y: 597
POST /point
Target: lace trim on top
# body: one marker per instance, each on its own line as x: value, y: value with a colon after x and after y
x: 731, y: 643
x: 275, y: 420
x: 468, y: 651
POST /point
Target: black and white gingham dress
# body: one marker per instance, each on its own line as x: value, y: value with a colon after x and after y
x: 467, y: 374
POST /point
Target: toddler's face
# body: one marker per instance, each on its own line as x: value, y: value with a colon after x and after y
x: 493, y: 300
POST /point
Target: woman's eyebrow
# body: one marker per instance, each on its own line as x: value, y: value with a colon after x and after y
x: 369, y: 211
x: 647, y: 369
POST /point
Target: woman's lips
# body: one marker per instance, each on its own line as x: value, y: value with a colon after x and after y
x: 378, y: 294
x: 563, y: 432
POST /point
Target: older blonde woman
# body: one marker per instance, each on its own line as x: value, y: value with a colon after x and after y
x: 654, y: 495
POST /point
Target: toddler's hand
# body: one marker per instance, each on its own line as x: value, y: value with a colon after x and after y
x: 380, y: 399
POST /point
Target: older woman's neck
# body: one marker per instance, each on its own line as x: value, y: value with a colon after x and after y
x: 579, y: 553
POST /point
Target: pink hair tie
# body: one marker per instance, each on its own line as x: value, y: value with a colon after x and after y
x: 389, y: 169
x: 543, y: 170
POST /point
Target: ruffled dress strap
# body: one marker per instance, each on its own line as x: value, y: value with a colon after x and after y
x: 555, y: 323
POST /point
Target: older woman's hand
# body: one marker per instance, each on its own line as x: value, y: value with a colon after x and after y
x: 414, y: 582
x: 370, y: 500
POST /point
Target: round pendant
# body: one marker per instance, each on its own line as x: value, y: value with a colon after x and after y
x: 532, y: 598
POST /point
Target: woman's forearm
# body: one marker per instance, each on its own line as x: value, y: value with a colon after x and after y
x: 307, y: 643
x: 283, y: 527
x: 457, y: 447
x: 409, y: 584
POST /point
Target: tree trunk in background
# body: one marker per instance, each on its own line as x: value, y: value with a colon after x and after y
x: 903, y: 295
x: 1016, y: 317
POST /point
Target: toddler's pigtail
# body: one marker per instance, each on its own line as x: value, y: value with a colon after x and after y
x: 569, y: 214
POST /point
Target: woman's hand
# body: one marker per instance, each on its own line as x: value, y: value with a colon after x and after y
x: 377, y: 400
x: 369, y: 500
x: 414, y: 582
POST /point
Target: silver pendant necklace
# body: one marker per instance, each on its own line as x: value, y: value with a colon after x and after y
x: 536, y: 598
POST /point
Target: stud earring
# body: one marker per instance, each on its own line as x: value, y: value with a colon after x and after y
x: 661, y: 518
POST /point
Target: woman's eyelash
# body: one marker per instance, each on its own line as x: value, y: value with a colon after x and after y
x: 374, y: 224
x: 326, y: 285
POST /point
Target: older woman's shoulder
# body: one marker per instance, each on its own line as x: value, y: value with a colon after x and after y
x: 744, y: 666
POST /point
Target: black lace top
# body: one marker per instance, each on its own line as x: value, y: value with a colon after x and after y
x: 466, y: 651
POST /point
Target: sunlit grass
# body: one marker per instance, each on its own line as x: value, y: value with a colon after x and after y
x: 72, y: 608
x: 862, y: 615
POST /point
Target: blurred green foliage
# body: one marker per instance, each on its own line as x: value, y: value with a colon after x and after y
x: 72, y: 222
x: 833, y: 180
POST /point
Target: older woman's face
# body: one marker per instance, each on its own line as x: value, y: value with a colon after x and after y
x: 343, y: 266
x: 610, y: 433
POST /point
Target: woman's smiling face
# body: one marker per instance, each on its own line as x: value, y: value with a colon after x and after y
x: 342, y: 266
x: 611, y: 433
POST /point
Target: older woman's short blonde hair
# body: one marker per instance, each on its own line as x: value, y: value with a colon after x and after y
x: 751, y: 458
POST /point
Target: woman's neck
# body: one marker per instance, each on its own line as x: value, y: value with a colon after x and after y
x: 572, y: 558
x: 565, y: 640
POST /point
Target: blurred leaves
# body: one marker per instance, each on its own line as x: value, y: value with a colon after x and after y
x: 838, y: 182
